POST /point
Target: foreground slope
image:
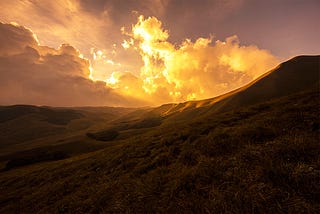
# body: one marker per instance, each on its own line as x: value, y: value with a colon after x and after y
x: 262, y: 157
x: 259, y: 159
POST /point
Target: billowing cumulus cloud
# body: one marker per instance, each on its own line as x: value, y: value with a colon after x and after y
x: 90, y: 26
x: 191, y: 70
x: 34, y: 74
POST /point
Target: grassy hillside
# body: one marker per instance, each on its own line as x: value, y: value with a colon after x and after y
x: 259, y: 159
x: 32, y: 134
x: 260, y: 154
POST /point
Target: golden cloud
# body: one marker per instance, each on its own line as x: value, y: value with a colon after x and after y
x: 169, y: 72
x: 192, y: 70
x: 40, y: 75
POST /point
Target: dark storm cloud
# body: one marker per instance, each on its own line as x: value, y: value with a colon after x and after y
x: 40, y: 75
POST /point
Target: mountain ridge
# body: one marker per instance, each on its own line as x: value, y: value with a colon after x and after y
x: 269, y: 84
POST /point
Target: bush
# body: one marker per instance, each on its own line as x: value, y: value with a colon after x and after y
x: 189, y: 158
x: 257, y: 134
x: 217, y: 144
x: 106, y: 135
x: 37, y: 157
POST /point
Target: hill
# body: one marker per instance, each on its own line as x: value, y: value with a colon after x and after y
x: 297, y: 74
x: 38, y: 133
x: 253, y: 150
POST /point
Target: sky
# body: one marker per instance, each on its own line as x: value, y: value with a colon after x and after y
x: 145, y: 52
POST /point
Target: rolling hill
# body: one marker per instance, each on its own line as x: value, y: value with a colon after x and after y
x: 255, y: 149
x: 298, y: 74
x: 28, y: 132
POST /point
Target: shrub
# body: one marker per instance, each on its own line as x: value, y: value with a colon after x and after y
x: 36, y: 157
x: 257, y: 134
x: 189, y: 158
x: 106, y: 135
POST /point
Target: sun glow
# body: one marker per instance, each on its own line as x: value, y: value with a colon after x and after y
x: 102, y: 64
x: 113, y: 80
x: 236, y: 63
x: 192, y: 70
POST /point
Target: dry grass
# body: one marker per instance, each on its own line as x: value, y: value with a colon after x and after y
x: 260, y: 159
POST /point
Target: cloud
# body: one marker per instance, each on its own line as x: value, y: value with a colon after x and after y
x: 87, y: 25
x: 192, y: 70
x: 60, y: 21
x: 167, y: 72
x: 15, y: 44
x: 34, y: 74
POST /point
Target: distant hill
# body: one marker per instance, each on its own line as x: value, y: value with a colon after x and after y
x: 54, y: 116
x: 33, y: 130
